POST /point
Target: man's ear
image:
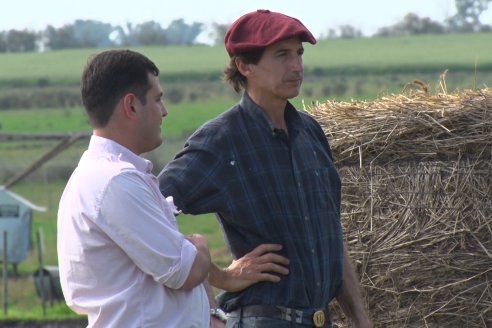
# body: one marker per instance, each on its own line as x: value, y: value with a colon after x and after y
x: 129, y: 104
x: 243, y: 68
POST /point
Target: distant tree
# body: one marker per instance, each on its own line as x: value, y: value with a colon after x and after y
x: 117, y: 36
x: 485, y: 28
x: 3, y: 42
x: 218, y: 33
x: 178, y: 32
x: 412, y: 24
x: 149, y: 33
x: 80, y: 34
x: 21, y: 41
x: 343, y: 32
x: 60, y: 38
x: 467, y: 18
x: 125, y: 36
x: 330, y: 34
x: 90, y: 34
x: 349, y: 32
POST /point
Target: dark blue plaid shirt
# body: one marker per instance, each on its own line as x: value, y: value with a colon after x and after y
x: 267, y: 188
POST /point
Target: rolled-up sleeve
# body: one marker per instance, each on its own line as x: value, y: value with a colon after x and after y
x: 142, y: 223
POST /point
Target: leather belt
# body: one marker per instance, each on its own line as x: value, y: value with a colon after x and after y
x: 315, y: 318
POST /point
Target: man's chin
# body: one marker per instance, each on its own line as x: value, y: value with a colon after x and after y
x: 293, y: 94
x: 156, y: 145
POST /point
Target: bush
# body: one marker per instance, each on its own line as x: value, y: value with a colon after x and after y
x: 45, y: 97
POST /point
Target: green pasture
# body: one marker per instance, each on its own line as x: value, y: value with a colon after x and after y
x: 182, y: 118
x: 57, y: 120
x: 65, y: 66
x: 354, y: 56
x: 425, y: 53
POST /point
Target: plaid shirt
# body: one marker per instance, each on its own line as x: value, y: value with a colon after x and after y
x: 266, y: 187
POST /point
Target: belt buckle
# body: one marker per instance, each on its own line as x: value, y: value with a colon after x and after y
x: 319, y: 318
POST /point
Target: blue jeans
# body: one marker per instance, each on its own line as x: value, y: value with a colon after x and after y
x: 260, y: 322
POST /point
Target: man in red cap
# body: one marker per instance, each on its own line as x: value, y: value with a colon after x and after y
x: 266, y: 169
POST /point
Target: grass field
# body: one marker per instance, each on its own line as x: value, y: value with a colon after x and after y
x: 402, y: 54
x: 355, y: 56
x: 65, y: 66
x: 182, y: 118
x: 335, y: 69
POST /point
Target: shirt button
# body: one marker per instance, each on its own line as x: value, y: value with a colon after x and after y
x: 312, y: 250
x: 306, y: 218
x: 318, y: 284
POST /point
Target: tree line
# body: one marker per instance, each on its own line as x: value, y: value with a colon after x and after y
x: 97, y: 34
x: 466, y: 20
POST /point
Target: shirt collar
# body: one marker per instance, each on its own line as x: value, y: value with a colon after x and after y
x: 101, y: 145
x: 292, y: 117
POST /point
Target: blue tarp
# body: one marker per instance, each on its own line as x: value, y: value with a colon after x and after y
x: 16, y: 220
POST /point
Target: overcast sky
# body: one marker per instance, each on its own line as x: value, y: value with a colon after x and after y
x: 317, y: 15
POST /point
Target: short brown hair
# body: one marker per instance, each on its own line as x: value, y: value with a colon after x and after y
x: 108, y: 76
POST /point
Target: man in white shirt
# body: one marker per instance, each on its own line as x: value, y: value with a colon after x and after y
x: 122, y: 260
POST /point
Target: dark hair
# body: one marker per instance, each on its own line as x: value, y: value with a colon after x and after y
x: 110, y: 75
x: 231, y: 72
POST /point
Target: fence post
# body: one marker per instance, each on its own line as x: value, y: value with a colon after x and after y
x: 5, y: 276
x: 41, y: 271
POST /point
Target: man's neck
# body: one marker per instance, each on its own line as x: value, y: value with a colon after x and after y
x: 274, y: 108
x: 118, y: 137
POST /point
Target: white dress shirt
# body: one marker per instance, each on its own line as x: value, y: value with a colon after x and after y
x: 120, y: 254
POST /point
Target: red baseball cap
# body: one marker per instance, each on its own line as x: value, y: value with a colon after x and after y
x: 261, y: 28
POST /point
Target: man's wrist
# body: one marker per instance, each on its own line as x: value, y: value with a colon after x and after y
x: 219, y: 314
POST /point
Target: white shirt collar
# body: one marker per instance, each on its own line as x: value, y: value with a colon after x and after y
x: 100, y: 145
